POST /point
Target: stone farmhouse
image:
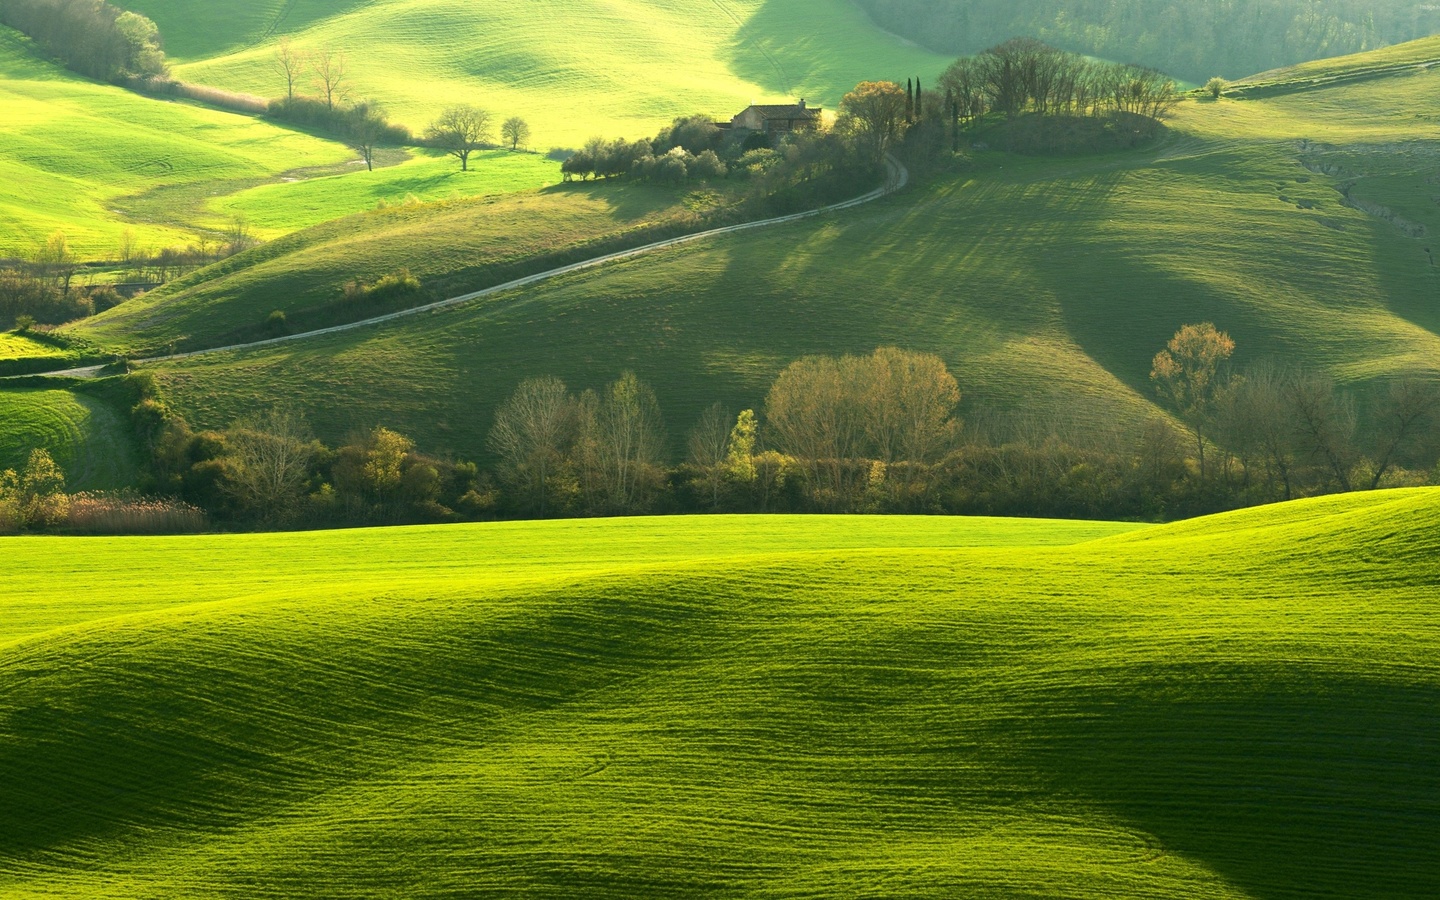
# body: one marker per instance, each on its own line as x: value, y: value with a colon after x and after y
x: 777, y: 120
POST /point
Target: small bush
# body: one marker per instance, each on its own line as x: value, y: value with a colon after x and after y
x: 276, y: 323
x: 1215, y: 87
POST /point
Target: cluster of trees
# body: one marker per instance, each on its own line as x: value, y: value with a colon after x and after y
x: 35, y: 499
x: 798, y: 169
x: 42, y: 289
x: 1026, y: 75
x: 1193, y: 40
x: 876, y: 433
x: 362, y: 125
x: 1280, y: 432
x: 270, y: 471
x: 90, y: 36
x: 464, y: 128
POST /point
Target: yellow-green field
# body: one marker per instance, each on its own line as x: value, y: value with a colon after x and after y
x: 1239, y: 707
x: 573, y: 70
x: 93, y: 160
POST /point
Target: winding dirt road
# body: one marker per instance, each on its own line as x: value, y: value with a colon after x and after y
x: 897, y: 177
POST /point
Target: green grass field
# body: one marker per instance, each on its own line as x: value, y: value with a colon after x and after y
x: 1238, y: 707
x: 86, y: 436
x: 18, y: 346
x: 453, y: 247
x: 274, y: 210
x: 92, y: 160
x: 1046, y: 284
x: 573, y: 69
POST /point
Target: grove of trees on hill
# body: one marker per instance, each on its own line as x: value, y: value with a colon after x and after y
x: 90, y: 36
x: 1193, y: 40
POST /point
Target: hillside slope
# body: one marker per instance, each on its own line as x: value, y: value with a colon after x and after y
x: 1244, y: 707
x: 615, y: 67
x: 93, y: 160
x: 1047, y: 284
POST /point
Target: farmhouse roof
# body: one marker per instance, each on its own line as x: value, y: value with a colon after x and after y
x: 786, y: 111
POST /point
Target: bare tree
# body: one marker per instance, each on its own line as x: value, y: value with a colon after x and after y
x: 627, y: 443
x: 55, y: 261
x: 910, y: 402
x: 709, y: 446
x: 1258, y: 421
x: 460, y: 131
x: 815, y: 412
x: 330, y: 75
x: 270, y: 460
x: 1324, y: 421
x: 363, y: 129
x: 530, y: 435
x: 515, y: 132
x: 289, y: 62
x: 1407, y: 415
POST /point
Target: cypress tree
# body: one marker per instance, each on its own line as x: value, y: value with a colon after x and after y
x: 909, y: 100
x: 919, y: 107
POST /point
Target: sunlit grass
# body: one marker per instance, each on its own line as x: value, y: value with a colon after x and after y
x: 1240, y: 707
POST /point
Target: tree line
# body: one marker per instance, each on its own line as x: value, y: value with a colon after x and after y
x: 91, y: 37
x: 1027, y: 75
x: 1194, y: 40
x: 880, y: 433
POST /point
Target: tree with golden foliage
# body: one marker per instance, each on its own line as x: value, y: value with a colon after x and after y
x: 1188, y: 375
x: 874, y: 114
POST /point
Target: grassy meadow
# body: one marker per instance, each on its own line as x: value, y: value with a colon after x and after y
x: 88, y: 437
x: 451, y: 246
x: 1237, y: 707
x: 1047, y: 284
x: 277, y: 209
x: 94, y: 160
x: 572, y: 70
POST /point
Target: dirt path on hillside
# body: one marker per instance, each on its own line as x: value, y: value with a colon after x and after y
x: 896, y: 179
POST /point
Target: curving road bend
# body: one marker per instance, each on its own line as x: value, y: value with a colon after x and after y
x: 897, y: 178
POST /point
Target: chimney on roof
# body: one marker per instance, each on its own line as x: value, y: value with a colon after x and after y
x: 802, y: 102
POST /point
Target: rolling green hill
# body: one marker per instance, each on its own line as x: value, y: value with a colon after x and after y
x: 572, y: 69
x: 1047, y: 284
x: 88, y: 437
x: 453, y: 247
x: 92, y: 160
x: 1239, y: 707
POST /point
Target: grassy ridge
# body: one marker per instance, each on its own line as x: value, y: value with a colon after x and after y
x: 453, y: 247
x: 1240, y: 707
x: 638, y: 64
x: 1045, y: 284
x: 85, y: 435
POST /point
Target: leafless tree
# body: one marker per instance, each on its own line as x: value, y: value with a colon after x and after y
x: 460, y: 131
x: 330, y: 76
x: 290, y: 63
x: 270, y: 458
x: 530, y: 435
x: 709, y: 446
x: 1408, y: 414
x: 625, y: 443
x: 515, y: 132
x: 1324, y: 420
